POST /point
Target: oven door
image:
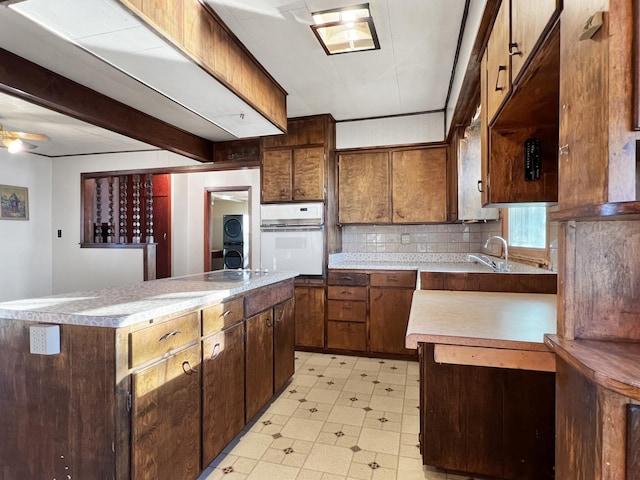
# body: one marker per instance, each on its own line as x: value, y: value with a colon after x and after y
x: 296, y: 249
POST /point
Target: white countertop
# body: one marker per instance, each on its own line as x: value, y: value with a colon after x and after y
x: 130, y: 304
x: 485, y: 319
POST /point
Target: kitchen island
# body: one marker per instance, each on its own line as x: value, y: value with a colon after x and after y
x: 487, y: 381
x: 151, y: 381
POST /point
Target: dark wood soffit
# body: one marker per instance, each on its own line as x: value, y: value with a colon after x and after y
x: 469, y: 97
x: 26, y: 80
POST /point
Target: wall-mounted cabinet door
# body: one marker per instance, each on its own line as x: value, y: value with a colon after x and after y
x: 308, y: 173
x: 166, y: 418
x: 498, y: 64
x: 528, y: 21
x: 276, y: 176
x: 363, y: 191
x: 419, y: 185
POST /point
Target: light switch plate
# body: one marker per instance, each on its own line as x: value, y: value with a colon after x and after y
x: 44, y: 339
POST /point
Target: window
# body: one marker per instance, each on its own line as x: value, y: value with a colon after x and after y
x: 525, y: 229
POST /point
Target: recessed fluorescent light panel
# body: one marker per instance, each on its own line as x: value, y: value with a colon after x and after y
x: 345, y: 30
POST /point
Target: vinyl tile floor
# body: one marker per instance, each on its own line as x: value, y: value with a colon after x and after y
x: 339, y: 418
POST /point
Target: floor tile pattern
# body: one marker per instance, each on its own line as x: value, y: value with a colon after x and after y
x: 339, y: 418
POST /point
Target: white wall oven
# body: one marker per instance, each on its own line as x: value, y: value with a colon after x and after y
x: 292, y: 237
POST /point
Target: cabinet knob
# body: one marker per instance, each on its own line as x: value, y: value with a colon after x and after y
x: 563, y: 150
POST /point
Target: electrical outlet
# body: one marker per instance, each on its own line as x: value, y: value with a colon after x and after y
x: 405, y: 239
x: 44, y: 339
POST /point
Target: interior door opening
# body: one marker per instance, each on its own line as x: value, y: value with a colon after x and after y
x: 230, y: 202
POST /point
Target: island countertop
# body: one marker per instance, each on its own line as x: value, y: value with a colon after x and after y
x: 129, y: 304
x: 515, y: 321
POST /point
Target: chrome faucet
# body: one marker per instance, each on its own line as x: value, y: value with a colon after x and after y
x: 500, y: 266
x: 484, y: 260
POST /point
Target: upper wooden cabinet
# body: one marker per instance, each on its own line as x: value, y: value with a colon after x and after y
x: 597, y: 162
x: 527, y: 114
x: 296, y: 166
x: 498, y: 64
x: 363, y: 187
x: 393, y: 186
x: 528, y: 22
x: 419, y: 185
x: 517, y: 32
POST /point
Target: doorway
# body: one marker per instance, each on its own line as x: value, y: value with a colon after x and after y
x: 218, y: 203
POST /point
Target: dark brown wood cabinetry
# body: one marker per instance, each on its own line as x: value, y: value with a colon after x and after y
x: 283, y: 343
x: 259, y: 362
x: 222, y: 389
x: 520, y: 73
x: 497, y: 422
x: 298, y: 166
x: 159, y: 400
x: 309, y: 316
x: 390, y: 296
x: 368, y: 312
x: 393, y: 185
x: 165, y: 424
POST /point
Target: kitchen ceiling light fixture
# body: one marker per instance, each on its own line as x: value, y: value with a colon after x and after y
x: 345, y: 30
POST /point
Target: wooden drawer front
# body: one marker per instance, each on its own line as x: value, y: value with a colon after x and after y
x: 267, y: 296
x: 394, y: 279
x: 347, y: 293
x: 347, y: 335
x: 152, y: 342
x: 222, y: 315
x: 347, y: 278
x: 347, y: 311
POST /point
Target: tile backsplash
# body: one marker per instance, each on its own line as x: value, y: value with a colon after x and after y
x: 434, y: 238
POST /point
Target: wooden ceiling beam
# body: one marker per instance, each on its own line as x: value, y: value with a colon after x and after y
x: 26, y: 80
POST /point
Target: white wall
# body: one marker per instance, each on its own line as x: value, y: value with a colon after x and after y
x: 76, y: 268
x: 188, y: 214
x: 25, y: 246
x: 476, y: 9
x: 390, y: 131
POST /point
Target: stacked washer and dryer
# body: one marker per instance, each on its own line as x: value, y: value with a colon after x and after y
x: 235, y: 239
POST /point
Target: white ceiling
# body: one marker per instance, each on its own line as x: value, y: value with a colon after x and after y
x: 410, y: 73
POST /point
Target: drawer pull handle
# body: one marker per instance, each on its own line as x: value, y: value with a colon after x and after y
x: 226, y: 313
x: 347, y: 278
x: 480, y: 186
x: 392, y: 278
x: 269, y: 323
x: 346, y: 292
x: 348, y: 306
x: 169, y: 335
x: 514, y: 50
x: 187, y: 368
x: 501, y: 68
x: 216, y: 351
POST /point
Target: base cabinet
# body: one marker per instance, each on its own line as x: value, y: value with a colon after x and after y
x: 309, y: 316
x: 283, y: 344
x: 165, y: 427
x: 156, y: 400
x: 369, y: 311
x: 486, y: 421
x: 222, y: 390
x: 259, y: 362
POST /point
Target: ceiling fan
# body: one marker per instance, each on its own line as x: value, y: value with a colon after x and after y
x: 14, y: 141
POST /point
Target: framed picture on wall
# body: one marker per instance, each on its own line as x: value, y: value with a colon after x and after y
x: 15, y: 203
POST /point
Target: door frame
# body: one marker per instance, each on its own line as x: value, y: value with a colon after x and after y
x: 208, y: 191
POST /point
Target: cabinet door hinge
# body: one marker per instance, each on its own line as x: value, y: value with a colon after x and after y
x: 129, y: 401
